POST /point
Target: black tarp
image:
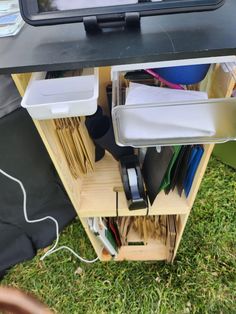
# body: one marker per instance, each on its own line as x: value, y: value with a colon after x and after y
x: 23, y: 155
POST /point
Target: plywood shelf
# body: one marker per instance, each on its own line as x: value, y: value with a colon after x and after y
x: 99, y: 198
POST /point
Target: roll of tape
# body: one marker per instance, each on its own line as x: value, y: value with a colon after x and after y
x: 133, y: 183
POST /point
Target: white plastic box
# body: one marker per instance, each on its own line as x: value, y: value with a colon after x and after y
x: 62, y: 97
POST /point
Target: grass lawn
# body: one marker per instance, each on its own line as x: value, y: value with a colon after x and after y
x: 201, y: 280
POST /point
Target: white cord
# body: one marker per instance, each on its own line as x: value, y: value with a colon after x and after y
x: 53, y: 249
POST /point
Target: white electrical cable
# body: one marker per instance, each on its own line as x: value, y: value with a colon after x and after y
x: 53, y: 249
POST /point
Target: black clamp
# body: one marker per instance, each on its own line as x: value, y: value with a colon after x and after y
x: 94, y: 24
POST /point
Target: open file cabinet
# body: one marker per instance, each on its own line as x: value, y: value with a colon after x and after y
x: 100, y: 194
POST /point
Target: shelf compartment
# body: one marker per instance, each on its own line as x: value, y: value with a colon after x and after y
x: 102, y: 192
x: 155, y: 249
x: 99, y: 196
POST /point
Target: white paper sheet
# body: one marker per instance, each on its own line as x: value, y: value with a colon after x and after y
x: 164, y: 122
x: 139, y: 94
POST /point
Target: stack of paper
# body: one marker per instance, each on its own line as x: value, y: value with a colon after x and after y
x: 76, y: 144
x: 163, y: 113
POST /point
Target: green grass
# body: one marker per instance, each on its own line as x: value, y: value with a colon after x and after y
x: 201, y: 280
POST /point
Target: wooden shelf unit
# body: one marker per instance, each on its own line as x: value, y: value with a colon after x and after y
x: 95, y: 195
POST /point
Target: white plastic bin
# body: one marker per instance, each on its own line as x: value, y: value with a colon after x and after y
x: 62, y: 97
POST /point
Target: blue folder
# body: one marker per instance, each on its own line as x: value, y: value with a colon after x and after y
x: 194, y: 162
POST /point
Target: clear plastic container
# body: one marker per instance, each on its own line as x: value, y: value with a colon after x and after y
x: 145, y: 124
x: 193, y: 123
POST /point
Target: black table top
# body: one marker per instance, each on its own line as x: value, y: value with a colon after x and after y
x: 169, y: 37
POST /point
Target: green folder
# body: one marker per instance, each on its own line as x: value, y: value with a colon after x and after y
x: 167, y: 179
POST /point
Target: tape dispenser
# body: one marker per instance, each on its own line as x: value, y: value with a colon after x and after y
x: 133, y: 182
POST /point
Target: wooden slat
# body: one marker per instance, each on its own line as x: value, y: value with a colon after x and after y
x: 171, y: 237
x: 218, y: 83
x: 104, y: 79
x: 152, y: 252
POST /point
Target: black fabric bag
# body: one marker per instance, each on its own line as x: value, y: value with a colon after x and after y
x: 9, y: 96
x: 23, y: 155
